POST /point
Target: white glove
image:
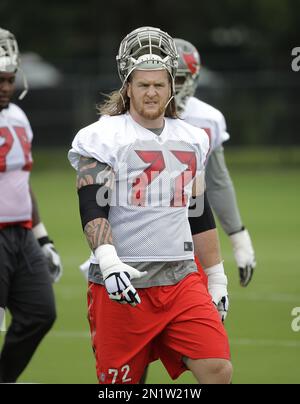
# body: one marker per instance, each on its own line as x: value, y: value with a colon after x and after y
x: 117, y: 276
x: 217, y: 287
x: 244, y: 255
x: 84, y: 268
x: 53, y: 259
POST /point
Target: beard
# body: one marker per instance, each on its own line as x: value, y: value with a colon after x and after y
x: 149, y: 113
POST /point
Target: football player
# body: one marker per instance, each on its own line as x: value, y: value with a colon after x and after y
x: 219, y: 186
x: 137, y: 169
x: 29, y: 262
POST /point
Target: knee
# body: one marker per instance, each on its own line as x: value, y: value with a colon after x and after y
x: 211, y: 371
x: 222, y: 370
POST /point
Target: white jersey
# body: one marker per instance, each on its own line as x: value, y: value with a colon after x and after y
x: 15, y: 165
x: 154, y: 176
x: 203, y: 115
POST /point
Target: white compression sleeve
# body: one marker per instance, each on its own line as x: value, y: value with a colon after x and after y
x: 220, y: 192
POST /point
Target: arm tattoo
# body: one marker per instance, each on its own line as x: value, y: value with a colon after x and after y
x: 91, y: 171
x: 98, y: 232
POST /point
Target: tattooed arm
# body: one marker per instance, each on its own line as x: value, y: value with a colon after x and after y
x: 98, y: 232
x: 117, y: 275
x: 93, y: 172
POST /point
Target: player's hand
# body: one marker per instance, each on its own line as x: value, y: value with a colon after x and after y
x: 117, y: 276
x: 119, y: 287
x: 53, y: 260
x: 223, y: 307
x: 217, y: 288
x: 244, y: 255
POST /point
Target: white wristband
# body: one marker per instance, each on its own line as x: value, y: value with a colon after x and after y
x: 241, y: 240
x: 39, y: 231
x: 216, y: 274
x: 215, y: 269
x: 107, y: 258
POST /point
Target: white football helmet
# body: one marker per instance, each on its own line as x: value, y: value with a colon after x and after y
x: 147, y: 48
x: 187, y: 73
x: 9, y: 56
x: 9, y: 52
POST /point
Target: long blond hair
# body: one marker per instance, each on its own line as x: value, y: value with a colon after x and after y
x: 118, y: 103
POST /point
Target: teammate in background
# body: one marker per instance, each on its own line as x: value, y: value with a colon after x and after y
x: 28, y: 261
x: 219, y: 186
x: 137, y: 168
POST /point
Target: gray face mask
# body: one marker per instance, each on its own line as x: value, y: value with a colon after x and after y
x: 147, y: 48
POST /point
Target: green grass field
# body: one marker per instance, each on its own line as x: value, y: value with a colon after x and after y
x: 264, y: 347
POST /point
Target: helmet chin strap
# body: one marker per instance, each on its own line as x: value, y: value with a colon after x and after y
x: 170, y: 99
x: 122, y: 98
x: 120, y: 92
x: 25, y: 84
x: 173, y: 93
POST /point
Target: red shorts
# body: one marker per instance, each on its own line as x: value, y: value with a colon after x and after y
x: 171, y: 322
